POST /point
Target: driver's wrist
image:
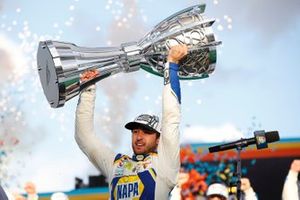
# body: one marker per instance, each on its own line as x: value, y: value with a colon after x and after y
x: 172, y: 61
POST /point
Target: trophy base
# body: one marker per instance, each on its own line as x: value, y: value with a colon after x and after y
x: 57, y: 86
x: 47, y: 73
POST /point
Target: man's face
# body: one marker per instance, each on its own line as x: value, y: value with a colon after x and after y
x: 144, y: 141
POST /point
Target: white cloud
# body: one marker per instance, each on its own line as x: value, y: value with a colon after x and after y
x: 201, y: 134
x: 12, y: 59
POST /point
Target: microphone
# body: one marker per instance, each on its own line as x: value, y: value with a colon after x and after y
x: 261, y: 139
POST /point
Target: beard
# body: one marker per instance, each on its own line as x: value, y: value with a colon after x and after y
x: 144, y: 149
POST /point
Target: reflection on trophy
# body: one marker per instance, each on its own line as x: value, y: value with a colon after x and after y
x: 60, y: 64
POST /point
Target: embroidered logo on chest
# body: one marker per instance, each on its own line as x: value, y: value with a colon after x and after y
x: 129, y: 187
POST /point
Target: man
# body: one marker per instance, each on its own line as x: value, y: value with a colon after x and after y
x: 152, y: 171
x: 248, y: 192
x: 291, y: 190
x: 30, y: 189
x: 218, y: 191
x: 175, y: 194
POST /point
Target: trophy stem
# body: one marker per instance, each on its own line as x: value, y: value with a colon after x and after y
x: 60, y: 65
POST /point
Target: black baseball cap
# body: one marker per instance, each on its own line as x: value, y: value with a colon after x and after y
x: 146, y: 122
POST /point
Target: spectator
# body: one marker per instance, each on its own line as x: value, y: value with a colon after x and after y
x: 291, y: 184
x: 31, y: 191
x: 248, y: 192
x: 176, y: 192
x: 217, y: 191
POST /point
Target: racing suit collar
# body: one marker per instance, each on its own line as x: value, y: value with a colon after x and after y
x: 141, y: 157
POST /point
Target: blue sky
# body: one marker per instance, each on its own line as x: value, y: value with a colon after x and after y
x: 255, y: 84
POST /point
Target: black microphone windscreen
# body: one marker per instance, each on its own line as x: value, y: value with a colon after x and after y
x: 272, y: 136
x: 214, y: 149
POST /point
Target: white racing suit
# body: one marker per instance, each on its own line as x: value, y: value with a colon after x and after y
x: 150, y: 177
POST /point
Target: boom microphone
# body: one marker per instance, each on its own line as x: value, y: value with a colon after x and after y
x: 261, y: 139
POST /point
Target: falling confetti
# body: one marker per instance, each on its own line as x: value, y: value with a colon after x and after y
x: 19, y: 91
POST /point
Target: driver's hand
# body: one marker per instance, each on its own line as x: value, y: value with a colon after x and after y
x: 89, y: 75
x: 176, y: 53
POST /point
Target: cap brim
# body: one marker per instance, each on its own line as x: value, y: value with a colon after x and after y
x: 135, y: 125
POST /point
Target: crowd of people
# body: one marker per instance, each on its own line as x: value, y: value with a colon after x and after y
x: 192, y: 186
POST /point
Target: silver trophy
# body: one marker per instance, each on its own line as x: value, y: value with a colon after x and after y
x: 60, y: 64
